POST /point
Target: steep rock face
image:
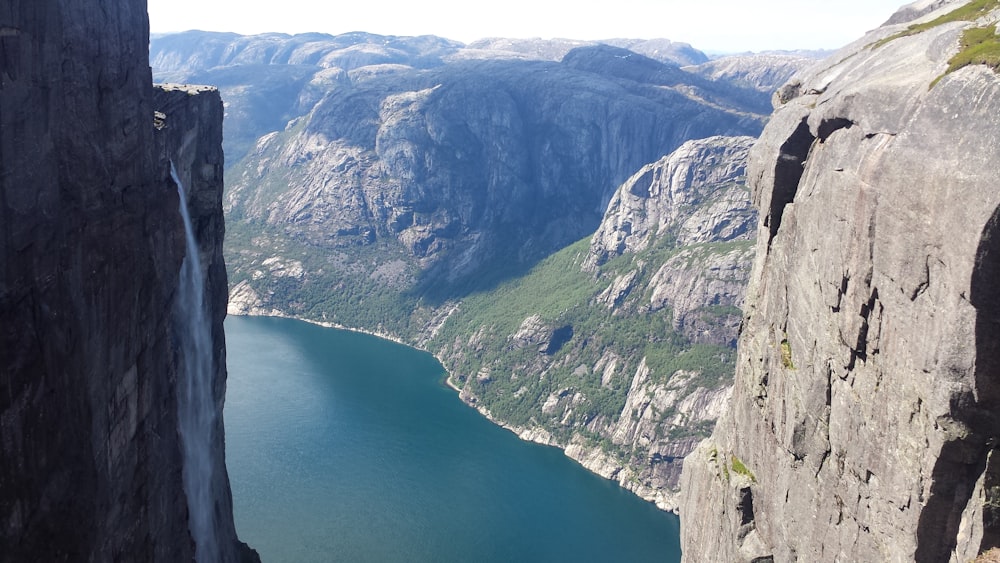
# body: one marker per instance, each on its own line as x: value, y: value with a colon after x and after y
x: 90, y: 248
x: 864, y: 410
x: 620, y: 350
x: 691, y: 199
x: 189, y: 135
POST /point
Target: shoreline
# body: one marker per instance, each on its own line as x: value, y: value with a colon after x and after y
x: 536, y: 435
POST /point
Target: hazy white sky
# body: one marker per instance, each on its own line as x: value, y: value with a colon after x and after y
x: 716, y: 25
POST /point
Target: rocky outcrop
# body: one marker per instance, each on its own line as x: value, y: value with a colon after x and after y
x: 864, y: 413
x: 90, y: 248
x: 690, y: 201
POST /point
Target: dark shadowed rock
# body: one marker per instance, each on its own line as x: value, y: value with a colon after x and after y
x: 90, y: 248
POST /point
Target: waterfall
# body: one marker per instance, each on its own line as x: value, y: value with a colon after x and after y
x: 195, y: 397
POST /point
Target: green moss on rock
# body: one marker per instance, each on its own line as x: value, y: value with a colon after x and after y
x: 968, y: 12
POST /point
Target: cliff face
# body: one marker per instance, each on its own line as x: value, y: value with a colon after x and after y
x: 91, y: 244
x: 864, y: 413
x: 691, y: 201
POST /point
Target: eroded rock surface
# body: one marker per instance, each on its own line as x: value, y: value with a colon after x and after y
x: 864, y: 413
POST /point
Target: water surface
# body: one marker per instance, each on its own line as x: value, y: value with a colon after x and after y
x: 346, y: 447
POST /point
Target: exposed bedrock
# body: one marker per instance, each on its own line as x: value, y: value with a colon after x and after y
x: 864, y: 414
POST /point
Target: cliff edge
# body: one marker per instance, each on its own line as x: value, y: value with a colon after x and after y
x: 91, y: 245
x: 864, y: 416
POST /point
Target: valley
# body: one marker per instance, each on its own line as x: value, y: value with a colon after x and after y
x: 536, y: 214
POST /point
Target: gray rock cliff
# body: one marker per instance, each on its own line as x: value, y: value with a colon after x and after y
x: 91, y: 243
x: 692, y: 199
x: 863, y: 420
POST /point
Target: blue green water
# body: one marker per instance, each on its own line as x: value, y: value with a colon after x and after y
x: 345, y: 447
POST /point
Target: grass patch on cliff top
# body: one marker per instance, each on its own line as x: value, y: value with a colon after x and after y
x: 980, y: 46
x: 969, y: 12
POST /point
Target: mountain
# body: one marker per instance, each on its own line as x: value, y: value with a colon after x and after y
x: 271, y: 78
x: 662, y: 50
x: 863, y: 421
x: 763, y: 72
x: 620, y: 347
x: 91, y: 250
x: 267, y: 80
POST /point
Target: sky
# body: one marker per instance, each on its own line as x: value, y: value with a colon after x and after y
x: 718, y: 26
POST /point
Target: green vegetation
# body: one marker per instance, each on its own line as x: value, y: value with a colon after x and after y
x: 740, y: 469
x: 969, y: 12
x: 335, y: 286
x: 714, y: 363
x: 979, y: 46
x: 549, y: 289
x: 786, y: 354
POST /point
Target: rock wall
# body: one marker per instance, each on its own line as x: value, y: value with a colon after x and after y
x: 91, y: 243
x: 864, y: 413
x: 188, y: 121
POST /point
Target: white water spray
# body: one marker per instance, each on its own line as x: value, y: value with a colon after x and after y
x: 195, y: 397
